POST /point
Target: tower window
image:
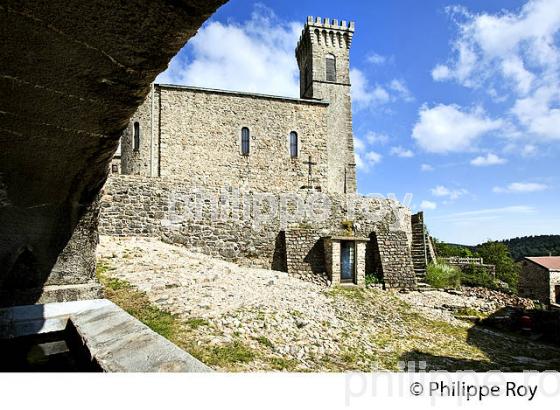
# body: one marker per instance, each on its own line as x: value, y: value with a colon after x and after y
x: 293, y: 144
x: 136, y: 137
x: 330, y: 63
x: 245, y: 138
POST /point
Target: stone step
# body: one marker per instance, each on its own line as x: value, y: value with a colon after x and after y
x: 423, y: 287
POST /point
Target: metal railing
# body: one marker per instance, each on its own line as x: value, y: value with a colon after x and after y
x: 456, y: 260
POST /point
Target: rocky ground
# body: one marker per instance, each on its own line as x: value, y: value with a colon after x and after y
x: 245, y: 319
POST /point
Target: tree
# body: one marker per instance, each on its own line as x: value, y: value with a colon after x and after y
x: 446, y: 250
x: 496, y: 253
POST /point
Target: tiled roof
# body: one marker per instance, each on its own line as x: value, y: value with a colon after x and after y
x: 549, y: 262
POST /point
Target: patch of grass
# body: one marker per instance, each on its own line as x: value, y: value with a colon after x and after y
x: 229, y: 354
x: 443, y: 276
x: 349, y: 358
x: 383, y: 339
x: 196, y: 322
x: 138, y: 305
x: 101, y: 268
x: 265, y: 341
x: 353, y: 293
x: 279, y: 363
x: 115, y: 284
x: 468, y: 311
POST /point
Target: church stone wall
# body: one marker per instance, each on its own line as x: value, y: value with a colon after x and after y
x: 195, y: 137
x: 143, y: 161
x: 201, y: 140
x: 140, y: 206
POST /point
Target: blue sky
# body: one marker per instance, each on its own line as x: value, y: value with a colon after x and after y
x: 455, y: 102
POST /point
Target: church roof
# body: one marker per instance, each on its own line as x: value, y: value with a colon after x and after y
x: 244, y: 94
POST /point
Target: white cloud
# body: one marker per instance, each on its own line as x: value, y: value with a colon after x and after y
x: 444, y: 192
x: 359, y: 144
x: 401, y: 89
x: 512, y: 55
x: 537, y: 115
x: 256, y: 56
x: 365, y: 160
x: 373, y: 157
x: 489, y: 159
x: 440, y: 73
x: 401, y: 152
x: 521, y: 188
x: 447, y: 128
x: 484, y: 215
x: 514, y: 69
x: 529, y: 150
x: 363, y: 94
x: 426, y: 168
x: 376, y: 59
x: 428, y: 205
x: 376, y: 138
x: 504, y: 43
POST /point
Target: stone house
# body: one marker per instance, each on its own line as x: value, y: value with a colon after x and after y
x: 186, y: 139
x: 540, y: 279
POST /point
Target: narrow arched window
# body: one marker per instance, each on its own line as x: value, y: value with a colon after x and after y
x: 330, y: 63
x: 293, y: 144
x: 136, y: 136
x: 245, y: 140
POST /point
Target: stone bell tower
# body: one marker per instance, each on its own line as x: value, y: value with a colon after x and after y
x: 323, y: 55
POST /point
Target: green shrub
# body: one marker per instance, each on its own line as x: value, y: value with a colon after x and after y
x: 475, y: 275
x: 443, y: 276
x: 497, y: 254
x: 348, y: 227
x: 372, y: 279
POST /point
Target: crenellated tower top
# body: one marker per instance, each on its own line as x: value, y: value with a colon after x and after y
x: 323, y: 54
x: 339, y: 33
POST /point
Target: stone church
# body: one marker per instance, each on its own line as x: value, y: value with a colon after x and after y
x: 221, y: 137
x: 183, y: 137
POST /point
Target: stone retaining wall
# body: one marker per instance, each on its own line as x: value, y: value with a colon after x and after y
x: 243, y: 226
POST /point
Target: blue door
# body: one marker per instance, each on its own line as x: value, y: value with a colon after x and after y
x: 347, y: 264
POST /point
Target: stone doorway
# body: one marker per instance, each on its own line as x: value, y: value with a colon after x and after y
x: 557, y: 294
x: 345, y: 259
x: 347, y: 262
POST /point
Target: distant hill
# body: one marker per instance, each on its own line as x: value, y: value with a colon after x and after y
x: 541, y: 245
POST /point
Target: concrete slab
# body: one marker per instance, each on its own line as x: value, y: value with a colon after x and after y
x: 117, y: 341
x: 120, y: 343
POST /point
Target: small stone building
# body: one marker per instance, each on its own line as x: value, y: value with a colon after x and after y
x: 345, y: 260
x: 540, y: 279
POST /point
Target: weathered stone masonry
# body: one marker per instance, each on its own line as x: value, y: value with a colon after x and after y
x: 194, y: 134
x: 140, y: 206
x: 184, y: 139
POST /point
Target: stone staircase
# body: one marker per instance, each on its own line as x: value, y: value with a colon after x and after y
x: 422, y: 251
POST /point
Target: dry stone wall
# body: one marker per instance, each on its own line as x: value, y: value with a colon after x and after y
x: 256, y: 229
x: 534, y: 282
x: 305, y: 254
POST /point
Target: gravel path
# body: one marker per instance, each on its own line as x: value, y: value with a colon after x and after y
x: 312, y: 327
